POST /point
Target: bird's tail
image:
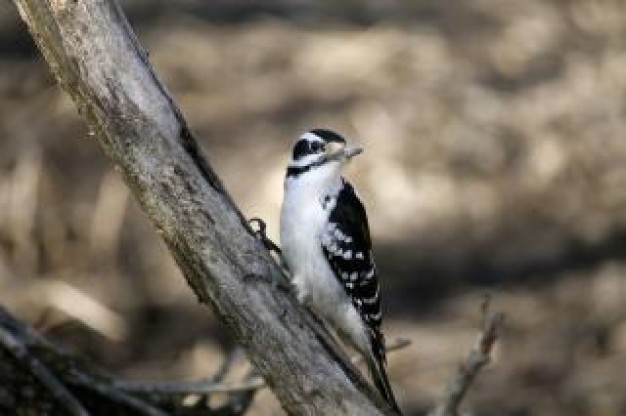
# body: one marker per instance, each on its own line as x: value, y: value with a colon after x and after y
x: 376, y: 363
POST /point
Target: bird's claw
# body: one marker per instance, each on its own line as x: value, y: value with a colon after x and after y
x: 261, y: 235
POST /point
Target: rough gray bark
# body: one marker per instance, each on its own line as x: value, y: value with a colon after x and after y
x: 96, y: 58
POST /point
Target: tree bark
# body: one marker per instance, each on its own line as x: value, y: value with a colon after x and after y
x: 96, y: 58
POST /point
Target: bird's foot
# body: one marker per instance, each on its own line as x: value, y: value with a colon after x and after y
x: 261, y: 235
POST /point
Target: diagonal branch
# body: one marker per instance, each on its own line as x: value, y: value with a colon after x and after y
x: 479, y: 356
x: 95, y: 56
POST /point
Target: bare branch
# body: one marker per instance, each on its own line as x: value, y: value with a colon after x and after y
x: 203, y: 386
x: 70, y: 381
x: 479, y: 356
x: 97, y: 59
x: 396, y: 345
x: 115, y: 395
x: 211, y: 385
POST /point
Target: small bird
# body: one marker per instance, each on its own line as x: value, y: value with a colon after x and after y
x: 326, y: 246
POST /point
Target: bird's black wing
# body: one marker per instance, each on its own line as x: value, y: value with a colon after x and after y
x: 347, y: 246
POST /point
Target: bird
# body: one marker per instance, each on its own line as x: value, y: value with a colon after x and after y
x: 326, y: 246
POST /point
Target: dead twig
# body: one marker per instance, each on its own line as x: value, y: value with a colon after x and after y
x: 239, y: 402
x: 202, y: 386
x: 115, y: 395
x: 479, y: 356
x: 211, y: 385
x: 395, y: 345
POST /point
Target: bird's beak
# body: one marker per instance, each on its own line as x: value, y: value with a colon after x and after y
x: 344, y: 154
x: 350, y: 153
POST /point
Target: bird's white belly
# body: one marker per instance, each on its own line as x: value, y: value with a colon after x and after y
x: 314, y: 280
x: 302, y: 222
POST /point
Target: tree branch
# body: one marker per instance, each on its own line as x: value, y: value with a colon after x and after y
x: 213, y: 385
x: 95, y: 56
x: 43, y: 369
x: 479, y: 356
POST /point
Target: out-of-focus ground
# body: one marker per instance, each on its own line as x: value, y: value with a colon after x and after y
x: 495, y: 137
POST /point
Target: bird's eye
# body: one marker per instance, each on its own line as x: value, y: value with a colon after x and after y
x: 317, y: 147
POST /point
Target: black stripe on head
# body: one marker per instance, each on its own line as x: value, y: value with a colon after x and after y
x: 313, y: 142
x: 328, y: 135
x: 301, y: 149
x: 293, y: 171
x: 308, y: 147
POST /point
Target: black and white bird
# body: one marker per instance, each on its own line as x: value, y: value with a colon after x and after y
x: 326, y: 245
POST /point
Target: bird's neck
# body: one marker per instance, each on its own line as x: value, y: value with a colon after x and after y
x: 314, y: 184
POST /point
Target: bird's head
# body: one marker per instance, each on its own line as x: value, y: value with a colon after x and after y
x: 320, y: 148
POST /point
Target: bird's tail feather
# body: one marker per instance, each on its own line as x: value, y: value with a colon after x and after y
x: 376, y: 366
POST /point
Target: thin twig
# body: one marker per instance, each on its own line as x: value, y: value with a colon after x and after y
x: 211, y: 385
x: 239, y: 402
x: 395, y: 345
x: 117, y: 396
x: 53, y: 385
x: 479, y: 356
x: 208, y: 385
x: 202, y: 386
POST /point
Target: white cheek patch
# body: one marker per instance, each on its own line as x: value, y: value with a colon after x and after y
x: 377, y: 316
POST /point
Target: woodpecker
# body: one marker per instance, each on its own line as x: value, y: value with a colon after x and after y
x: 326, y: 246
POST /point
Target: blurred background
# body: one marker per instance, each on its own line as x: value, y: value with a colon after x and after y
x: 495, y: 162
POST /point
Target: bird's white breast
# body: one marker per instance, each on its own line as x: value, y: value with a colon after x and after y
x: 302, y: 222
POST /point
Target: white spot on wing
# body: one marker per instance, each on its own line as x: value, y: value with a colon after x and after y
x: 372, y: 300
